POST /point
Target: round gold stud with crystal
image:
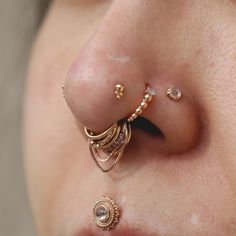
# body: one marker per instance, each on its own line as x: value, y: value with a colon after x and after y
x: 174, y: 93
x: 106, y: 213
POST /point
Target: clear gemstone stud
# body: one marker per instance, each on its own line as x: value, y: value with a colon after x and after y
x: 106, y: 213
x: 174, y: 93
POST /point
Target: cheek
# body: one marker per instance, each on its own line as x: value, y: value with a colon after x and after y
x: 54, y: 146
x: 218, y: 84
x: 224, y: 132
x: 53, y: 143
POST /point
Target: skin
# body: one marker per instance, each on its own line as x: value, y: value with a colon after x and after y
x: 182, y: 182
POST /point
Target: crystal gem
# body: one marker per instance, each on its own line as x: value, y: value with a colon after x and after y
x: 174, y: 93
x: 151, y: 91
x: 102, y: 214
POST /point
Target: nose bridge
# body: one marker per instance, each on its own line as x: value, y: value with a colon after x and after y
x: 133, y: 33
x: 119, y: 35
x: 129, y: 26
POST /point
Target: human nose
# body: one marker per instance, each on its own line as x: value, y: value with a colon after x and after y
x: 118, y: 53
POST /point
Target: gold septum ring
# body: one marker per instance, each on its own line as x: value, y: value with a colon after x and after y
x: 149, y: 93
x: 108, y: 147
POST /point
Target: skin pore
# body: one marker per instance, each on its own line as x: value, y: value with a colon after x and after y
x: 182, y: 182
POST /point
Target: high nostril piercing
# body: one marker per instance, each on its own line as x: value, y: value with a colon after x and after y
x: 63, y: 90
x: 148, y: 95
x: 106, y: 213
x: 174, y: 93
x: 119, y: 91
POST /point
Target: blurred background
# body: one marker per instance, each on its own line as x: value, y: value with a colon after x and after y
x: 19, y: 21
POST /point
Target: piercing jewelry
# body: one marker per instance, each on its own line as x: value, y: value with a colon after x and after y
x: 106, y: 213
x: 174, y: 93
x: 149, y: 93
x: 119, y: 91
x: 63, y: 88
x: 107, y: 148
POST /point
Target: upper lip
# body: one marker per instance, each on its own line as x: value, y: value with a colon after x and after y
x: 125, y: 227
x: 120, y: 230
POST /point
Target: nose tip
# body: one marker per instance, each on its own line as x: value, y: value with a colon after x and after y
x: 90, y: 91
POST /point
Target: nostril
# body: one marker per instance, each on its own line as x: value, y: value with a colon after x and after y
x: 147, y: 126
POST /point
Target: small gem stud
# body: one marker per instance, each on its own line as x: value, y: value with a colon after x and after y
x: 174, y: 93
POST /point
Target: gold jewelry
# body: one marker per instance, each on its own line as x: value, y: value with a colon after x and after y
x: 97, y: 137
x: 149, y: 93
x: 174, y: 93
x: 107, y: 148
x: 119, y: 91
x: 106, y: 213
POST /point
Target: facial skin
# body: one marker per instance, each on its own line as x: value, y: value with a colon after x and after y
x: 182, y: 182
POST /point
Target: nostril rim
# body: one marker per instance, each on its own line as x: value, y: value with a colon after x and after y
x: 147, y: 126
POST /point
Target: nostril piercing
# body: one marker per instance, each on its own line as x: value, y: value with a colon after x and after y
x: 149, y: 93
x: 63, y: 90
x: 107, y: 147
x: 174, y: 93
x: 105, y: 213
x: 119, y: 91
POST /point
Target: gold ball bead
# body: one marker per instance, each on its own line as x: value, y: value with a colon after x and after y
x: 139, y: 110
x: 143, y: 104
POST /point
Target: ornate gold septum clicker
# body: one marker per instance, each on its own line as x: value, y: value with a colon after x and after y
x: 107, y: 148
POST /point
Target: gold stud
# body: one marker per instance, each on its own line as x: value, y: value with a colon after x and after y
x: 174, y: 93
x: 106, y: 213
x: 119, y: 91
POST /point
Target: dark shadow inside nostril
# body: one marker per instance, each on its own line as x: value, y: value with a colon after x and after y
x: 147, y: 126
